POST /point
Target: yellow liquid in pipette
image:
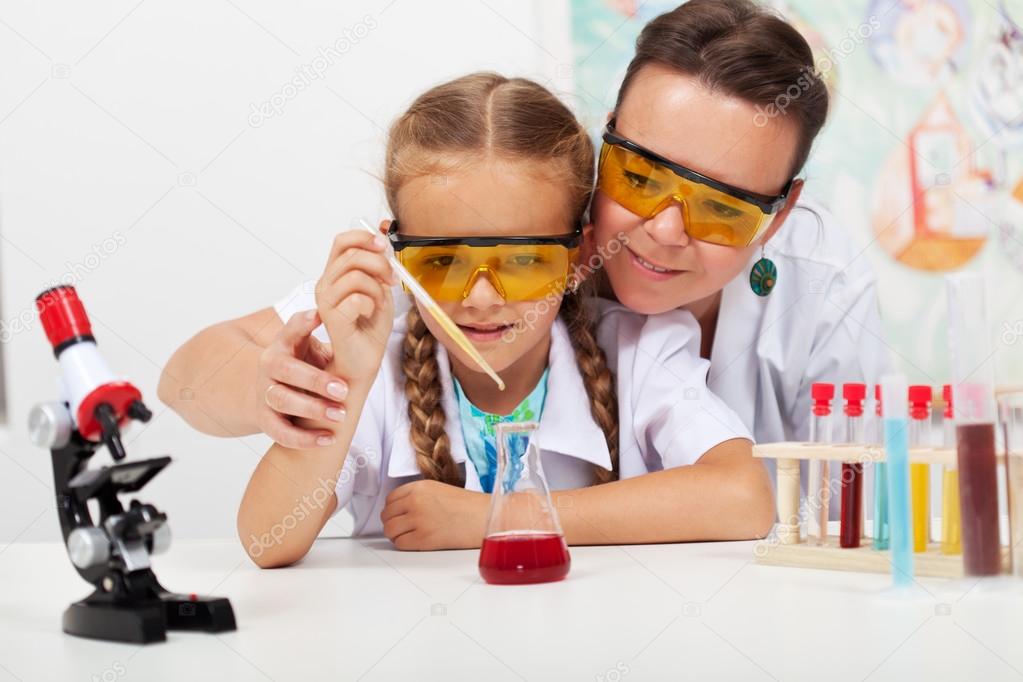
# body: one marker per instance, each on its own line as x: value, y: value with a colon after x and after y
x: 442, y: 318
x: 918, y: 477
x: 951, y: 525
x: 465, y: 344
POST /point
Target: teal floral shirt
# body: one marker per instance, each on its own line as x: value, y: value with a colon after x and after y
x: 478, y: 430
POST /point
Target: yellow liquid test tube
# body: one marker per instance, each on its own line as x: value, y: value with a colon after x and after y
x: 951, y: 530
x: 920, y: 474
x: 951, y: 524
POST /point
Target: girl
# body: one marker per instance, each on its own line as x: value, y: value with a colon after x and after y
x: 488, y: 179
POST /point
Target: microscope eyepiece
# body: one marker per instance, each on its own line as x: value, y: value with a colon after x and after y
x: 63, y: 318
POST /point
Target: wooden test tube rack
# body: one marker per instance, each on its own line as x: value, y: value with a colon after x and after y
x: 785, y: 546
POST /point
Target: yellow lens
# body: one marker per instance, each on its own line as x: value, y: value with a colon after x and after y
x: 645, y: 188
x: 720, y: 218
x: 437, y: 268
x: 518, y: 272
x: 635, y: 182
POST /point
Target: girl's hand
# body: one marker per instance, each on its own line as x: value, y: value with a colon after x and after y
x: 425, y: 515
x: 354, y: 300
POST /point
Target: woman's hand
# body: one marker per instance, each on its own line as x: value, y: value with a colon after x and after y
x: 425, y: 515
x: 294, y: 377
x: 354, y: 300
x: 292, y: 383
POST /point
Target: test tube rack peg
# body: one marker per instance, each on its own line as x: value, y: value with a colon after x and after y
x: 786, y: 546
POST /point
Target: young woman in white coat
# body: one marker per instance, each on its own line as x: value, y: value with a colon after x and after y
x: 714, y: 120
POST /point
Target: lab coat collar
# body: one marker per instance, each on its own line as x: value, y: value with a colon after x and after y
x: 734, y: 352
x: 566, y: 424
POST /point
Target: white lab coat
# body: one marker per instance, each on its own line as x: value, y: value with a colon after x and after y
x: 667, y: 416
x: 821, y: 323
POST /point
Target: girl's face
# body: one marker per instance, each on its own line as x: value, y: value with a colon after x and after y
x: 718, y: 136
x: 490, y: 198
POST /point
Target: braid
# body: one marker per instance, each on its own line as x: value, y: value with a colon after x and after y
x: 425, y: 412
x: 599, y: 382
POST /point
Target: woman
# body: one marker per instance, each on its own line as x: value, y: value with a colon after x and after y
x: 722, y: 89
x: 716, y: 115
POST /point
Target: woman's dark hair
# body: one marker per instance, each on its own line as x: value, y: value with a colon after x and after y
x: 743, y: 50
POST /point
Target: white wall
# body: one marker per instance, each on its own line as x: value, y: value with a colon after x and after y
x: 130, y: 162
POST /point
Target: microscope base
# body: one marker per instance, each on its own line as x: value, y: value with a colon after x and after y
x: 148, y: 621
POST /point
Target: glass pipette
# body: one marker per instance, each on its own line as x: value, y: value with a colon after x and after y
x: 442, y: 318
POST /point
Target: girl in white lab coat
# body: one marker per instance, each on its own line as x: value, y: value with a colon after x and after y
x: 488, y: 179
x: 714, y: 120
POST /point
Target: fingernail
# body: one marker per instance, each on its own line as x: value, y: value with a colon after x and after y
x: 337, y: 389
x: 311, y: 314
x: 323, y: 441
x: 380, y: 240
x: 335, y: 414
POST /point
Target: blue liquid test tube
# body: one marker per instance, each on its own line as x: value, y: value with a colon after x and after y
x: 882, y: 531
x: 895, y: 411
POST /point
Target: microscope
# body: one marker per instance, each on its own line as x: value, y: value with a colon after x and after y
x: 113, y: 551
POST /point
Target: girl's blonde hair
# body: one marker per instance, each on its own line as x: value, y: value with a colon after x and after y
x: 480, y: 116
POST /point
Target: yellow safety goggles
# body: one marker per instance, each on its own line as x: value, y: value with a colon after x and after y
x: 645, y: 183
x: 519, y: 268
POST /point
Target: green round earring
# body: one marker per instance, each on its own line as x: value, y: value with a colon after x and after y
x: 763, y: 276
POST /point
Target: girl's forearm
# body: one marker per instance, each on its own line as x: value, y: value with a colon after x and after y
x: 290, y: 496
x: 726, y: 495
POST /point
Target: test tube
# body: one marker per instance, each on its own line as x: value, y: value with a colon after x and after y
x: 851, y: 527
x: 919, y: 473
x: 1010, y: 408
x: 882, y: 530
x: 896, y: 447
x: 973, y: 399
x: 819, y: 479
x: 951, y: 542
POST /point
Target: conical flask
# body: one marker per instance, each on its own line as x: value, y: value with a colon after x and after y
x: 524, y: 541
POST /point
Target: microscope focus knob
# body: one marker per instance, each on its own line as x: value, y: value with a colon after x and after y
x: 161, y: 540
x: 88, y: 546
x: 50, y: 425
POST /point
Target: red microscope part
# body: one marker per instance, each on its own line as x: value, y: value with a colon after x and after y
x: 100, y: 403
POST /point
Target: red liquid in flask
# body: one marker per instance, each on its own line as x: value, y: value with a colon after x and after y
x: 524, y: 558
x: 978, y: 499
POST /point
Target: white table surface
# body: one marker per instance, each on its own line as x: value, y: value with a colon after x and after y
x: 358, y: 609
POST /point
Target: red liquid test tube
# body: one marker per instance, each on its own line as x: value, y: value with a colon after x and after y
x: 851, y: 528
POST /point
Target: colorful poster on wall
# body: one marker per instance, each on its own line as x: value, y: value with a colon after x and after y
x: 922, y: 157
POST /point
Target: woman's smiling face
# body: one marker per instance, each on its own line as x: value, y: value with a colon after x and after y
x: 675, y: 116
